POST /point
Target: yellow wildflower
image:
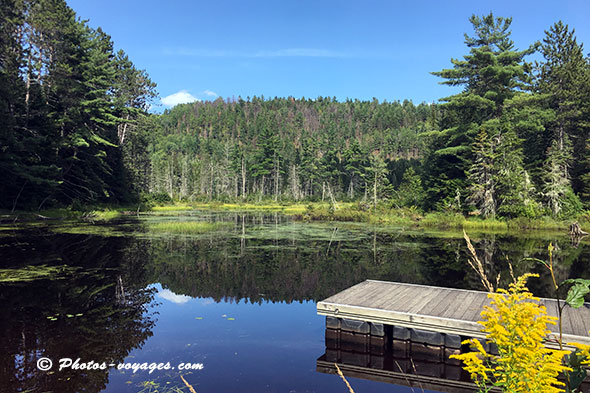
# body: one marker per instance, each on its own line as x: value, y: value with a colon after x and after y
x: 517, y: 324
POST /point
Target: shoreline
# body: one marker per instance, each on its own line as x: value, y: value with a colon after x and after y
x: 308, y: 211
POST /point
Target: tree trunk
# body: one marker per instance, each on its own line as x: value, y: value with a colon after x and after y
x: 276, y: 178
x: 243, y: 178
x: 375, y: 192
x: 576, y: 230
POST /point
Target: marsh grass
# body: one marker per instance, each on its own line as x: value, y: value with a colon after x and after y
x: 288, y: 209
x: 102, y: 215
x: 187, y: 227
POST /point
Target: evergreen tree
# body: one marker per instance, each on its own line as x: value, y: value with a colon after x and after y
x: 562, y: 81
x: 491, y: 73
x: 557, y: 186
x: 410, y: 192
x: 482, y: 175
x: 376, y: 178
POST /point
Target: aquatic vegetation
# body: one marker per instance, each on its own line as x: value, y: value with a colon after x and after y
x: 187, y: 227
x: 175, y: 207
x: 288, y: 209
x: 517, y: 324
x: 101, y: 215
x: 32, y: 273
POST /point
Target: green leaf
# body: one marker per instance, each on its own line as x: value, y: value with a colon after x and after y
x: 537, y: 260
x: 578, y: 373
x: 575, y: 295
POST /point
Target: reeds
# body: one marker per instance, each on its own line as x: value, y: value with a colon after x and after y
x: 477, y: 266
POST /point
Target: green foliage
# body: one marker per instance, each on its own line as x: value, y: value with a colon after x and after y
x: 575, y: 295
x: 67, y: 96
x: 74, y: 130
x: 410, y: 192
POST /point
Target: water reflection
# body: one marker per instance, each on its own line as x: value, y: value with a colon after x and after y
x: 82, y: 314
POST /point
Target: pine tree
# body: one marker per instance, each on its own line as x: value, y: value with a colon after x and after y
x: 482, y: 175
x: 377, y: 178
x: 561, y: 80
x: 410, y: 192
x: 557, y: 187
x: 514, y: 190
x: 491, y: 73
x: 354, y: 162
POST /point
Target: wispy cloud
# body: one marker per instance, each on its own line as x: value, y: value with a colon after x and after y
x: 209, y: 93
x: 172, y: 297
x: 289, y: 52
x: 181, y: 97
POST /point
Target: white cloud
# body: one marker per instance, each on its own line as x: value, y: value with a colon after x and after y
x: 210, y: 93
x: 172, y: 297
x: 181, y: 97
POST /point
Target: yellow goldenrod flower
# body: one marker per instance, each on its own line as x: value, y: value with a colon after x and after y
x: 517, y: 324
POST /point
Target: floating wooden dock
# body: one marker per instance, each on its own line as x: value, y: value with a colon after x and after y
x: 442, y: 310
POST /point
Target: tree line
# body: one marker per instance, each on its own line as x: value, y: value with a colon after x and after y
x: 514, y: 141
x: 285, y: 148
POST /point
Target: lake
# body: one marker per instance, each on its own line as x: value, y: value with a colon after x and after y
x: 238, y: 298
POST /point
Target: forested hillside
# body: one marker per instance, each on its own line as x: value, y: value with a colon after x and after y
x: 514, y: 142
x: 286, y: 148
x: 75, y: 130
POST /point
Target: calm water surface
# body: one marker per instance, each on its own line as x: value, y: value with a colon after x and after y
x: 239, y: 299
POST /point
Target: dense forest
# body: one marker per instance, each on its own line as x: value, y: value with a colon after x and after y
x: 76, y: 130
x: 67, y: 103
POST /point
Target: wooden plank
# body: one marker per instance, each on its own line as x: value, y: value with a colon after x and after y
x: 474, y: 309
x: 451, y: 310
x: 398, y: 292
x: 409, y: 300
x: 435, y: 294
x: 575, y: 317
x: 432, y: 306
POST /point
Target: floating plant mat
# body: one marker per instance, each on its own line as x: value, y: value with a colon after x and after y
x: 187, y: 227
x: 305, y: 231
x: 38, y: 272
x: 41, y: 272
x: 111, y: 229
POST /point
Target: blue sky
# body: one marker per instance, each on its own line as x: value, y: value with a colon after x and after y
x: 346, y: 49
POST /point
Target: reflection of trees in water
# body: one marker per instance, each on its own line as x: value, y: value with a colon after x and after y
x: 285, y: 269
x: 108, y: 329
x: 495, y: 252
x: 283, y: 266
x: 242, y: 263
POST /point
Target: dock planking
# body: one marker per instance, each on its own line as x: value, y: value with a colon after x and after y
x: 443, y: 310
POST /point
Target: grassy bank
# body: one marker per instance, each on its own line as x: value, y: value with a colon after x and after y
x: 407, y: 217
x: 311, y: 211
